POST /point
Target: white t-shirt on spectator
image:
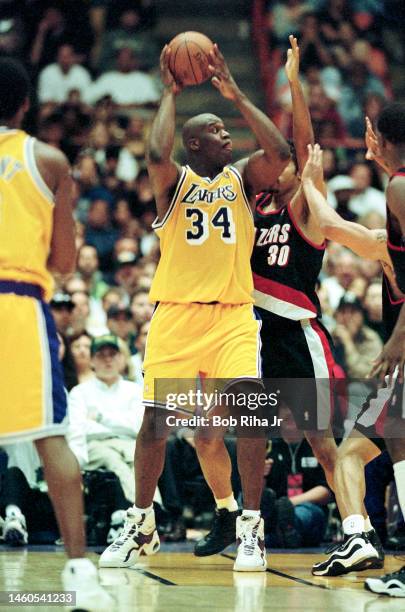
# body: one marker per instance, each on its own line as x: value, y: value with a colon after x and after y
x: 124, y: 88
x: 371, y: 200
x: 55, y: 86
x: 104, y: 411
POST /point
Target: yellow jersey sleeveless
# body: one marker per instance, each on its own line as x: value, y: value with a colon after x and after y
x: 26, y: 213
x: 206, y: 240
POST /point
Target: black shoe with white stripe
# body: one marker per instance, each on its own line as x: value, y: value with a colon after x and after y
x: 356, y: 553
x: 376, y: 542
x: 390, y: 584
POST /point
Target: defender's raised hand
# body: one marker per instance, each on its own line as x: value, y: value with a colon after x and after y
x: 221, y: 75
x: 166, y: 75
x: 292, y: 66
x: 313, y: 169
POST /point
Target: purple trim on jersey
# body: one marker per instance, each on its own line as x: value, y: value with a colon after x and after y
x: 20, y: 288
x: 58, y: 389
x: 320, y: 247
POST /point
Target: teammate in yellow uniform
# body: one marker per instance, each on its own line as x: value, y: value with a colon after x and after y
x: 36, y: 235
x: 204, y: 324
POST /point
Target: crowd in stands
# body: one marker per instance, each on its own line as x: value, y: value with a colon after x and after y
x: 94, y: 67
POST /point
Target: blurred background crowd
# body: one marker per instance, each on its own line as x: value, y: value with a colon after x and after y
x: 94, y: 69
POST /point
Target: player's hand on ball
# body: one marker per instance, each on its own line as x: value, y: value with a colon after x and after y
x: 166, y: 75
x: 313, y: 169
x: 221, y: 75
x: 292, y: 66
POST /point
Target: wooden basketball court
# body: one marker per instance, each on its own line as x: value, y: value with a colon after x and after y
x: 179, y: 581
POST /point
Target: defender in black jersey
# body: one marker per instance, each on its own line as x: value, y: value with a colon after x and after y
x: 384, y: 412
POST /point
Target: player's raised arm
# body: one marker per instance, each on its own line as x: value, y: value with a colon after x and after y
x: 163, y: 170
x: 55, y: 170
x: 302, y: 125
x: 262, y: 168
x: 370, y: 244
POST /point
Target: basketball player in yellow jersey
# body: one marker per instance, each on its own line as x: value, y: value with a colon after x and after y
x: 36, y: 236
x: 204, y: 324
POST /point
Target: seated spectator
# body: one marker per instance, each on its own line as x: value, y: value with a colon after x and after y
x: 62, y: 307
x: 344, y: 272
x: 365, y: 198
x: 129, y: 34
x: 313, y: 51
x: 332, y: 15
x: 372, y: 305
x: 323, y: 112
x: 137, y: 359
x: 359, y: 83
x: 294, y: 510
x: 340, y: 190
x: 100, y: 233
x: 356, y: 346
x: 283, y: 19
x: 67, y: 362
x: 126, y: 85
x: 141, y: 308
x: 58, y: 80
x: 79, y: 344
x: 120, y: 323
x: 81, y: 311
x: 88, y: 269
x: 127, y: 272
x: 109, y: 411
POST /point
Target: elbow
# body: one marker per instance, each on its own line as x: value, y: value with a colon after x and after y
x: 63, y: 266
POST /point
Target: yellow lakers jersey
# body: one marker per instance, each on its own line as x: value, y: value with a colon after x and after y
x: 26, y: 213
x: 206, y: 240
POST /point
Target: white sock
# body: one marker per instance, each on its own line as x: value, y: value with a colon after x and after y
x: 143, y: 510
x: 399, y: 473
x: 251, y: 514
x: 367, y: 525
x: 80, y: 564
x: 12, y: 510
x: 229, y: 503
x: 353, y: 524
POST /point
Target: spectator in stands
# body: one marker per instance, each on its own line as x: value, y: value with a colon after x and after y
x: 299, y: 515
x: 62, y: 307
x: 372, y: 305
x: 365, y: 198
x: 344, y: 271
x: 127, y: 272
x: 126, y: 85
x: 58, y: 80
x: 137, y: 359
x: 100, y: 233
x: 331, y: 17
x: 323, y: 112
x: 88, y: 268
x: 359, y: 83
x: 141, y: 308
x: 120, y: 323
x: 313, y: 51
x: 109, y: 411
x: 340, y: 190
x: 283, y: 19
x: 79, y: 344
x: 81, y: 311
x: 129, y: 34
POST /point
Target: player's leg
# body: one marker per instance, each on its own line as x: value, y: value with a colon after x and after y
x: 356, y: 552
x: 325, y: 450
x: 170, y: 357
x: 216, y: 467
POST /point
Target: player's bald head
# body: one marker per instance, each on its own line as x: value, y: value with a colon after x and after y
x: 193, y: 128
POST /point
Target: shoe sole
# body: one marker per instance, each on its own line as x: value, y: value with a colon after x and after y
x: 245, y: 568
x: 384, y: 591
x: 145, y: 551
x: 360, y: 563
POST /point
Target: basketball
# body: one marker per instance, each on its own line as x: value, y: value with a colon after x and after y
x: 189, y: 58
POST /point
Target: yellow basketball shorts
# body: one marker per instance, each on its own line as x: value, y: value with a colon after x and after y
x: 32, y: 395
x: 194, y: 341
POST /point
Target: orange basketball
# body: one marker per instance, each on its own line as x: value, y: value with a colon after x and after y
x: 189, y: 58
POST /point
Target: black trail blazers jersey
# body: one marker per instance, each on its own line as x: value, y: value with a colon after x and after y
x: 285, y: 264
x: 396, y: 248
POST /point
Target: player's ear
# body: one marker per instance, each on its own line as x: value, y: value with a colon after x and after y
x: 194, y: 144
